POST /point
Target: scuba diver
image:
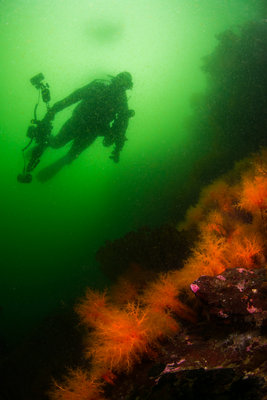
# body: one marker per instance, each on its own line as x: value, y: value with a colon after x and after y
x: 102, y: 111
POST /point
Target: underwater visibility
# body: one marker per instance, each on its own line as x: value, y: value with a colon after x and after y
x: 133, y: 140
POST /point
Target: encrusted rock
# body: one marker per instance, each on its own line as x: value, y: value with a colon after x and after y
x: 236, y: 294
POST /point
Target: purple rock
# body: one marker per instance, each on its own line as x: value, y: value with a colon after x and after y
x: 236, y: 293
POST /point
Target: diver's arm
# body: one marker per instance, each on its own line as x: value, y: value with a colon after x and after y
x: 74, y: 97
x: 77, y: 95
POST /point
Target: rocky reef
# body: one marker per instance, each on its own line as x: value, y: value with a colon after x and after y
x: 223, y: 356
x: 199, y: 329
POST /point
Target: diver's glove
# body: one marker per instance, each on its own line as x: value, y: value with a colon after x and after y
x: 115, y: 156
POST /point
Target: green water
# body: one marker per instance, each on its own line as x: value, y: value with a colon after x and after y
x: 50, y: 232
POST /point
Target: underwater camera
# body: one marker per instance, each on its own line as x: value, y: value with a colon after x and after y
x: 39, y: 130
x: 31, y: 131
x: 36, y: 81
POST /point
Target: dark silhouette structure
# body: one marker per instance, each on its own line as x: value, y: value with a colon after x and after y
x: 102, y: 111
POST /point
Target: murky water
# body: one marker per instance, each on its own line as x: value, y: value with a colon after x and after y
x: 50, y: 231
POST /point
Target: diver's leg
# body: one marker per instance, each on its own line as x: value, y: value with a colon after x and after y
x: 43, y: 140
x: 51, y: 170
x: 63, y: 137
x: 66, y: 133
x: 78, y: 146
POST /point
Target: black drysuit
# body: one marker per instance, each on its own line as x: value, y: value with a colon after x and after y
x: 102, y: 111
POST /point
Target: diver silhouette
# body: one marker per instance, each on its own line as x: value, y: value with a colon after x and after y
x: 102, y: 111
